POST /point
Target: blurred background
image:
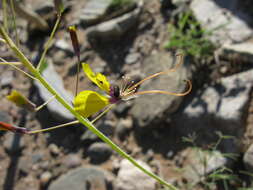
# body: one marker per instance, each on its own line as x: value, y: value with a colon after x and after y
x: 202, y: 141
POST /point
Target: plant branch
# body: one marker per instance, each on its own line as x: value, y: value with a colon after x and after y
x: 82, y: 120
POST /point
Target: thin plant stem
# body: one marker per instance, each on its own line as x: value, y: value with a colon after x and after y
x: 77, y: 76
x: 53, y: 128
x: 5, y: 17
x: 103, y: 113
x: 42, y: 106
x: 13, y: 64
x: 14, y: 22
x: 9, y: 63
x: 49, y: 42
x: 81, y: 119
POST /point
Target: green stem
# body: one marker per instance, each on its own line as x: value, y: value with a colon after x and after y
x: 5, y: 17
x: 82, y: 120
x: 49, y: 42
x: 14, y: 22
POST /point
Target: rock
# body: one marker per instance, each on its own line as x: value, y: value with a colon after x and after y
x: 114, y: 28
x: 99, y: 152
x: 36, y: 158
x: 123, y: 127
x: 106, y: 127
x: 5, y: 117
x: 248, y: 159
x: 194, y: 164
x: 89, y: 137
x: 150, y: 109
x: 44, y: 7
x: 132, y: 58
x: 24, y: 166
x: 45, y: 177
x: 54, y: 149
x: 57, y: 111
x: 72, y: 161
x: 241, y: 51
x: 213, y: 15
x: 13, y: 143
x: 62, y: 44
x: 131, y: 178
x: 218, y: 107
x: 94, y: 10
x: 6, y: 79
x: 122, y: 108
x: 82, y: 178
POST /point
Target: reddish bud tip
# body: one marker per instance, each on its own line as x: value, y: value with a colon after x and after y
x: 74, y: 39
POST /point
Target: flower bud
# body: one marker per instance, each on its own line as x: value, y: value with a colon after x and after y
x: 21, y: 101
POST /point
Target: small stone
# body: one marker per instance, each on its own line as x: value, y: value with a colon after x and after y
x: 45, y: 177
x: 82, y: 178
x: 114, y: 28
x: 107, y: 127
x: 37, y: 157
x: 99, y: 152
x: 132, y: 58
x: 240, y: 51
x: 123, y: 128
x: 72, y: 161
x: 121, y: 109
x: 5, y: 117
x: 13, y: 143
x: 89, y: 137
x: 170, y: 154
x: 223, y: 69
x: 54, y: 149
x: 248, y: 159
x: 57, y: 111
x: 131, y: 178
x: 94, y: 10
x: 6, y: 79
x: 63, y: 45
x: 24, y: 166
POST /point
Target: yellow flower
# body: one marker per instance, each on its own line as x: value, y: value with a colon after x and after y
x: 89, y: 102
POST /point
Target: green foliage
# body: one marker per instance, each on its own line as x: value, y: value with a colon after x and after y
x: 188, y: 35
x: 224, y: 177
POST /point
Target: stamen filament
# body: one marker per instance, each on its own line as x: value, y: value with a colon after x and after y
x: 179, y: 63
x: 166, y: 92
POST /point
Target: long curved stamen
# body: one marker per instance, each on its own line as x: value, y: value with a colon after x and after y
x: 179, y: 63
x: 166, y: 92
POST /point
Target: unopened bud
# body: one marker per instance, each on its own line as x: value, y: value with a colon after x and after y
x: 8, y: 127
x: 74, y: 39
x: 21, y: 101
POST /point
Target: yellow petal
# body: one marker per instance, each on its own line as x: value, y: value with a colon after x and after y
x: 99, y: 79
x: 89, y: 102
